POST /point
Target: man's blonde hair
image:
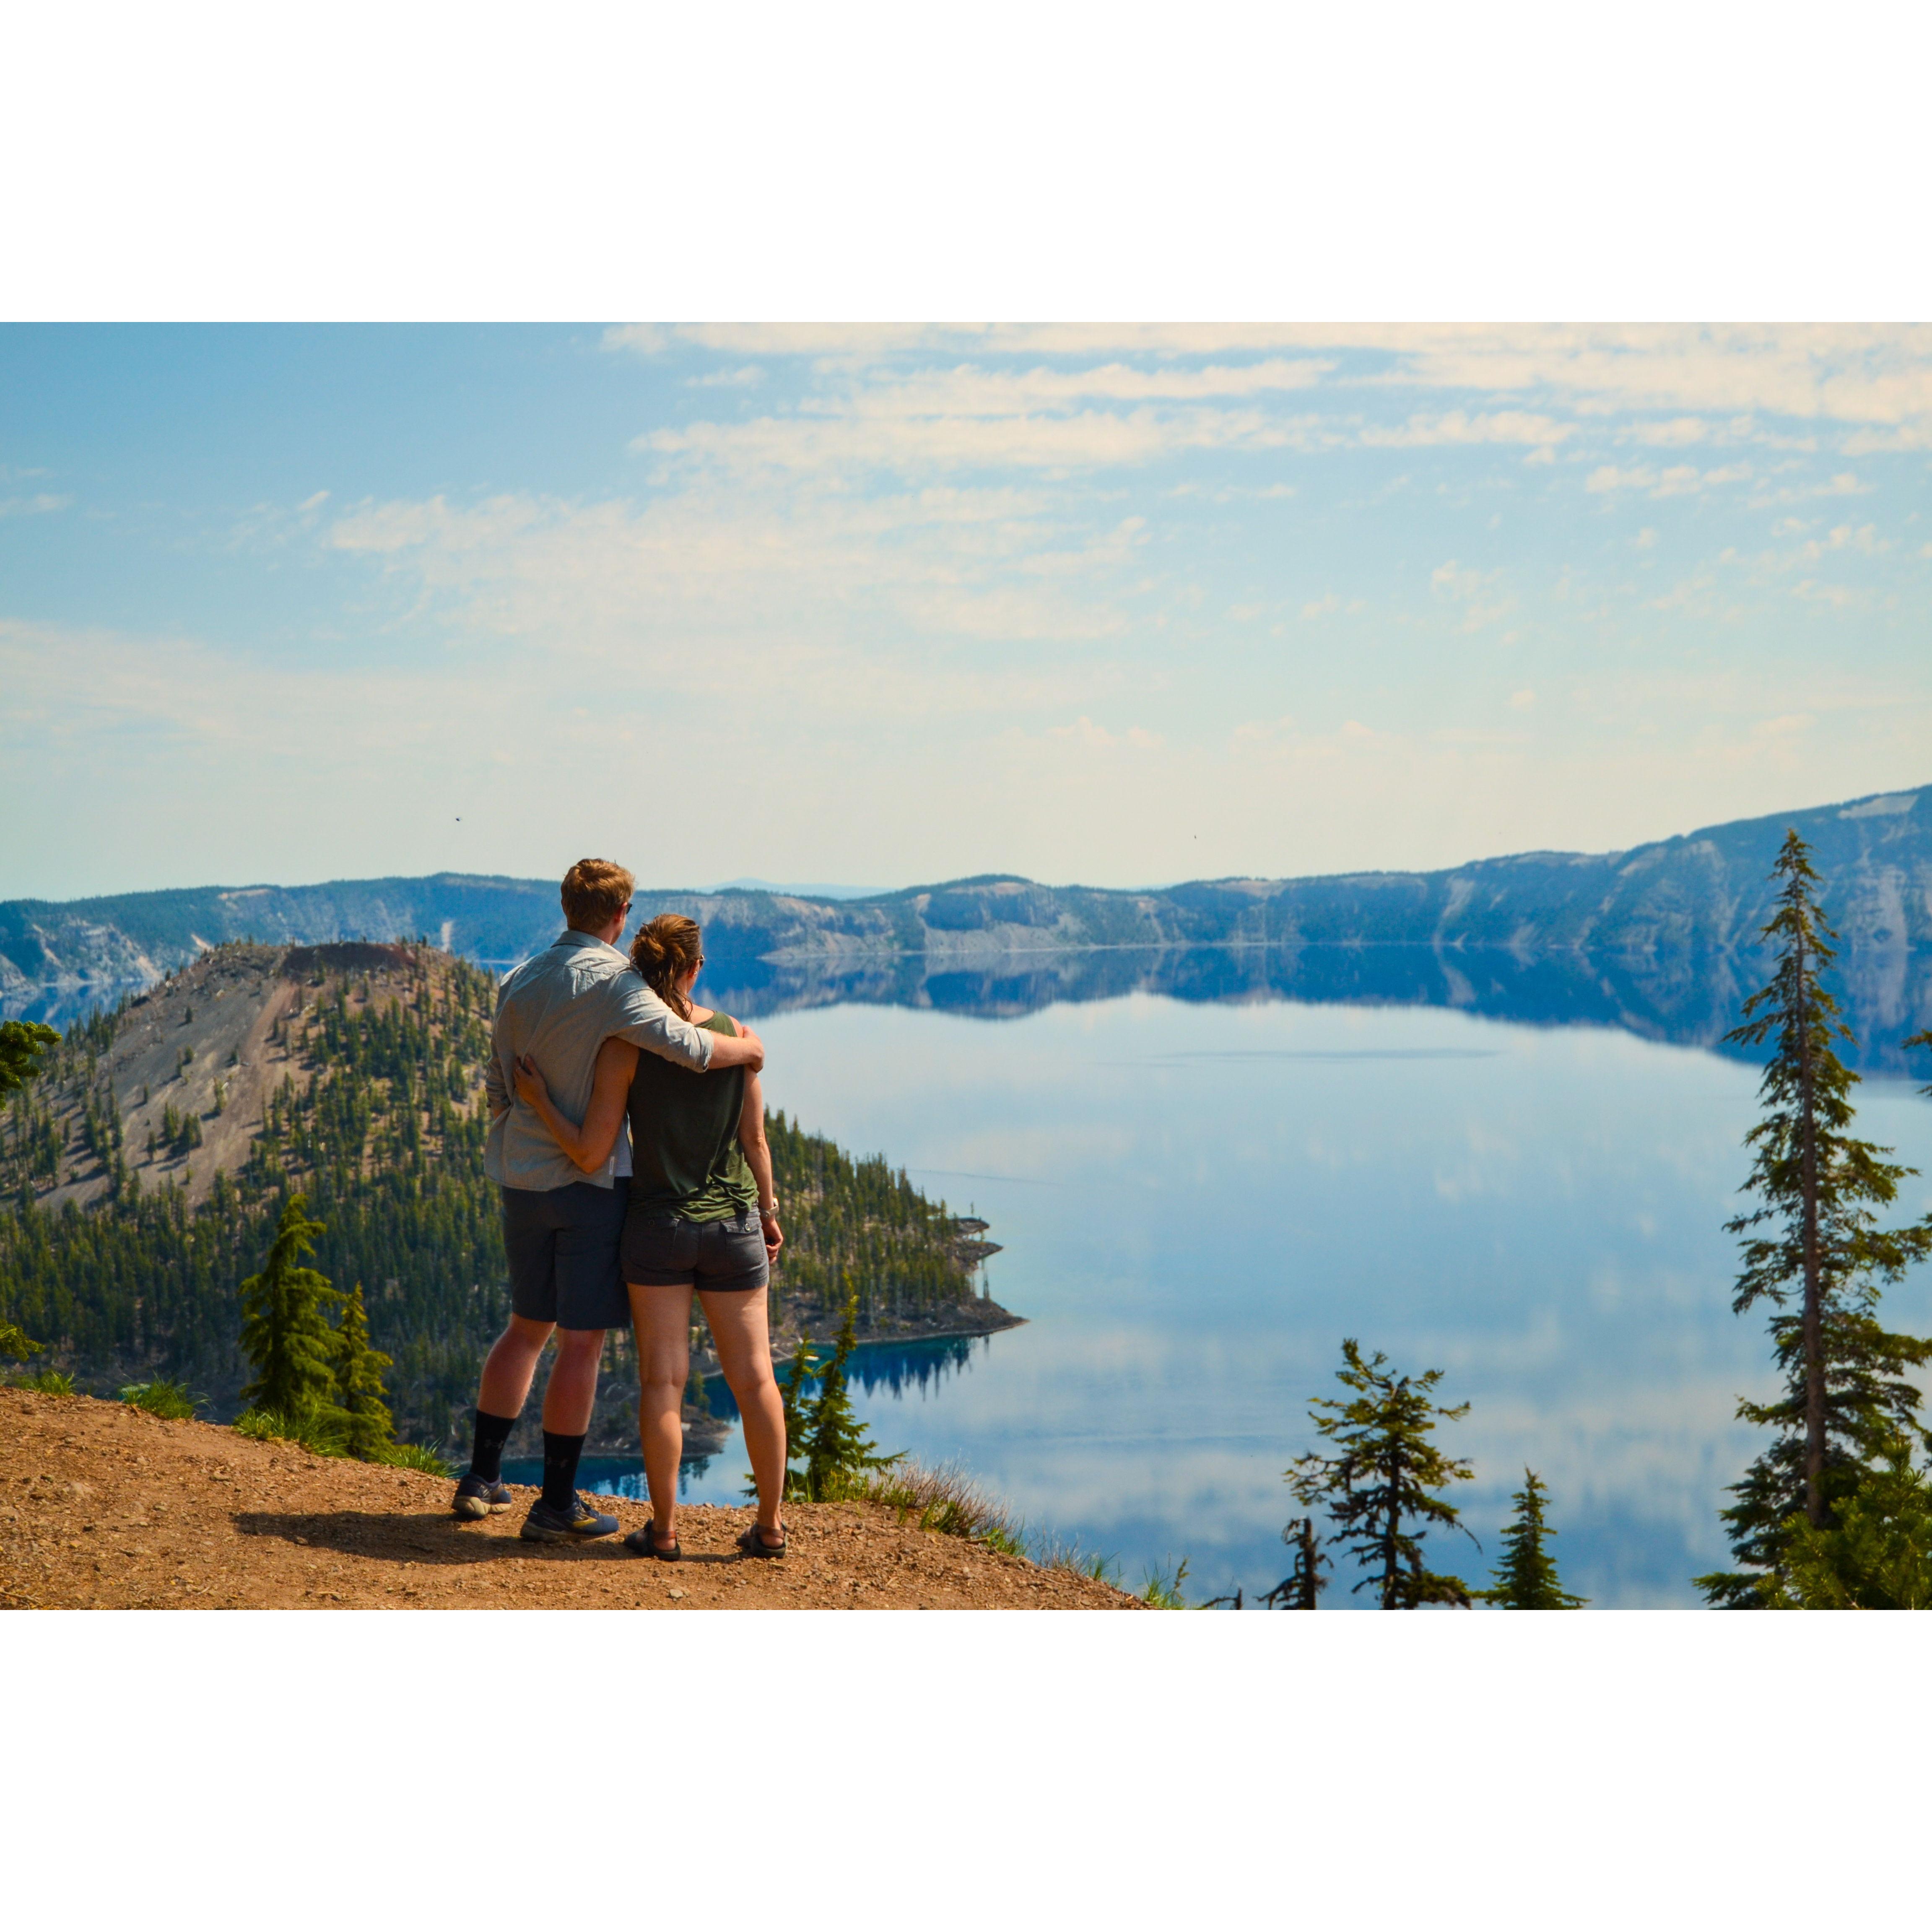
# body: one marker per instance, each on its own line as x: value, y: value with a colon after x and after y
x: 595, y: 892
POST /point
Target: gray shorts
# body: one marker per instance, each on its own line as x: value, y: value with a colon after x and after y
x: 661, y: 1250
x: 563, y: 1242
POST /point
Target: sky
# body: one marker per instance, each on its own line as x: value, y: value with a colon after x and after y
x: 889, y: 604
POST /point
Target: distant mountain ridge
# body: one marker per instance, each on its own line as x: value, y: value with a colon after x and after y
x: 1703, y: 893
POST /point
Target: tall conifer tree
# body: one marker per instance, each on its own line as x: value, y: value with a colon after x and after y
x: 359, y: 1383
x: 1813, y: 1240
x: 837, y: 1443
x: 285, y: 1332
x: 1381, y: 1489
x: 1526, y: 1579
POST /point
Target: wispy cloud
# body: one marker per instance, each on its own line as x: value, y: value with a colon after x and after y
x: 1877, y: 377
x: 1679, y: 479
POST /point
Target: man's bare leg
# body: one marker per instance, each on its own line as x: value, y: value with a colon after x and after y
x: 572, y: 1393
x: 511, y: 1366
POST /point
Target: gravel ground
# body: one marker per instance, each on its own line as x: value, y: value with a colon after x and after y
x: 103, y: 1506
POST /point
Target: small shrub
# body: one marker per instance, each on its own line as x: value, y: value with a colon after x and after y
x: 168, y: 1400
x: 412, y: 1456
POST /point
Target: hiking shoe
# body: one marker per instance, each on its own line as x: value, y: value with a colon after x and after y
x: 475, y: 1497
x: 577, y: 1524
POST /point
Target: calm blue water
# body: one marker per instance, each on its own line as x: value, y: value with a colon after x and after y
x: 1199, y: 1202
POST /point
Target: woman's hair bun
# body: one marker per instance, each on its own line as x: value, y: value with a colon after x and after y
x: 665, y: 949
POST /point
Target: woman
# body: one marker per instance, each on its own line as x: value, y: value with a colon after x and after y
x: 703, y: 1216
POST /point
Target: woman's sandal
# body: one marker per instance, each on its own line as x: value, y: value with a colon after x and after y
x: 753, y: 1544
x: 644, y: 1542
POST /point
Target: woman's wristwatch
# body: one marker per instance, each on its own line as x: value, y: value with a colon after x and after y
x: 770, y: 1214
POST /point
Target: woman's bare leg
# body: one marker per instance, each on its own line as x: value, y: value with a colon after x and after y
x: 661, y: 1317
x: 744, y: 1342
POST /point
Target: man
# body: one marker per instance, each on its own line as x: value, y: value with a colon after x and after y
x: 562, y: 1229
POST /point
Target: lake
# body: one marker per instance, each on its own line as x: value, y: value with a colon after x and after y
x: 1199, y: 1198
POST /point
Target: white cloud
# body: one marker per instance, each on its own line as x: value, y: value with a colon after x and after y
x: 1505, y: 426
x: 1677, y: 433
x: 1843, y: 484
x: 41, y: 505
x: 1879, y: 376
x: 1679, y: 479
x: 747, y: 378
x: 1477, y: 591
x: 1829, y: 596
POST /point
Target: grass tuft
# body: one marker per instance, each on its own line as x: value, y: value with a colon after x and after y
x: 1163, y: 1585
x: 412, y: 1455
x: 1053, y: 1550
x: 46, y: 1381
x: 949, y: 1502
x: 168, y: 1400
x: 319, y: 1437
x: 944, y: 1500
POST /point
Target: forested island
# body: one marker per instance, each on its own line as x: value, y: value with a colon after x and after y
x: 143, y: 1174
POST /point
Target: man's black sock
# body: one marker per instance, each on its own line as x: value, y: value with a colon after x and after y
x: 486, y: 1455
x: 560, y: 1455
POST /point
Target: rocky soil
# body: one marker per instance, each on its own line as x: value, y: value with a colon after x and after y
x: 103, y: 1506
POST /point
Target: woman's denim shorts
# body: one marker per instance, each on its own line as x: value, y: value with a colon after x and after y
x: 662, y: 1250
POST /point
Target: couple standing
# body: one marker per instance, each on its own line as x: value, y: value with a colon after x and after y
x: 605, y: 1226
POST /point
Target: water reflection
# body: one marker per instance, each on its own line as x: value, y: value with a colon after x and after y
x: 897, y: 1368
x: 1688, y: 999
x: 609, y: 1475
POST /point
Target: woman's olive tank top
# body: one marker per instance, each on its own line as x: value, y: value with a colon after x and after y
x: 685, y: 1155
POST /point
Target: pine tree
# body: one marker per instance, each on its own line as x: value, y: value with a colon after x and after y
x: 1526, y: 1579
x: 1303, y: 1584
x: 22, y: 1043
x: 359, y: 1383
x: 1385, y: 1478
x: 285, y: 1330
x: 1877, y: 1555
x: 1846, y: 1400
x: 837, y: 1444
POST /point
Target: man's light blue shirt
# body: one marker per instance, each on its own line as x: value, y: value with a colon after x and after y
x: 560, y: 1007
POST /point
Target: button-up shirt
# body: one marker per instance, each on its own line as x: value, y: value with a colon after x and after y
x: 560, y: 1007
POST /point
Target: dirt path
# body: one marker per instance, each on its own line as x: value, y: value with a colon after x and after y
x: 104, y: 1508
